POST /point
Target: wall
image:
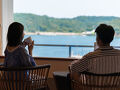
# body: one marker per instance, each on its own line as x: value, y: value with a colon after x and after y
x: 7, y: 18
x: 0, y: 27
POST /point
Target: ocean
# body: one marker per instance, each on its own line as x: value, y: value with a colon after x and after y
x: 48, y: 51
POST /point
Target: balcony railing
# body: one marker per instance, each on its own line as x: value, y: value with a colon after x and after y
x: 69, y: 46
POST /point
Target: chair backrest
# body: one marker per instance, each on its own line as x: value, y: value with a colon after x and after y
x: 92, y: 81
x: 24, y: 78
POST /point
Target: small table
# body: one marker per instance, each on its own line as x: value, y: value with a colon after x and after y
x: 62, y: 80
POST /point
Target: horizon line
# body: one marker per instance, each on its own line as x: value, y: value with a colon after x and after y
x: 67, y: 17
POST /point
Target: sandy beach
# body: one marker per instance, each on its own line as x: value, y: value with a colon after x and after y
x: 51, y: 33
x: 59, y: 33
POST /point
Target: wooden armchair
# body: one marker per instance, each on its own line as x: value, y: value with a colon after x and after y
x: 92, y: 81
x: 24, y: 78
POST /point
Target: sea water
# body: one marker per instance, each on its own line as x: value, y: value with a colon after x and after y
x: 50, y: 51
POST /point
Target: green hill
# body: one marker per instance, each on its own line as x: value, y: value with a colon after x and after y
x: 78, y: 24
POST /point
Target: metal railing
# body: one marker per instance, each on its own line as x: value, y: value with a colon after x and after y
x: 69, y: 46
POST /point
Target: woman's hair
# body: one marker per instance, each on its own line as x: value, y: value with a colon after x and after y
x: 15, y: 34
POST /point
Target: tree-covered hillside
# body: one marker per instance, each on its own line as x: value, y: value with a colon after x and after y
x: 36, y: 23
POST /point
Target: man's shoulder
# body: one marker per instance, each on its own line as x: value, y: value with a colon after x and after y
x: 90, y: 54
x: 98, y: 53
x: 115, y: 51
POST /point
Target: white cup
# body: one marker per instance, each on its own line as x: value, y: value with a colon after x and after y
x: 95, y: 46
x: 28, y: 40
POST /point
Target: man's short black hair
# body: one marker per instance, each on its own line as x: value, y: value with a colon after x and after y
x: 105, y: 33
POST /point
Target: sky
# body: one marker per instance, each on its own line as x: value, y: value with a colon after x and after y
x: 68, y: 8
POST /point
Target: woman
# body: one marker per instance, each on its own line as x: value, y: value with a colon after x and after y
x: 15, y: 53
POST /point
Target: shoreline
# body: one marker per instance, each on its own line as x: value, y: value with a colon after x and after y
x: 54, y: 33
x: 65, y: 34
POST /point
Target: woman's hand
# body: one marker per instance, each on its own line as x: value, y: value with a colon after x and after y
x: 30, y: 48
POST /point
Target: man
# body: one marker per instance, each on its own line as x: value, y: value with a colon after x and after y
x: 103, y: 60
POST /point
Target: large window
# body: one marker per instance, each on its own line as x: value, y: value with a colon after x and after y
x: 63, y: 25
